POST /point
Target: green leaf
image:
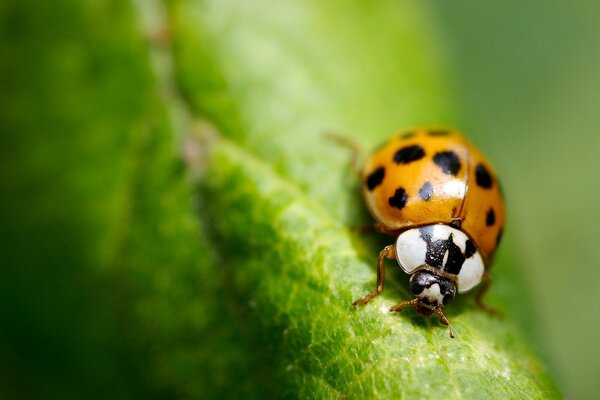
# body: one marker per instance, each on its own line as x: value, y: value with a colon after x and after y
x: 281, y: 200
x: 119, y: 282
x: 110, y: 288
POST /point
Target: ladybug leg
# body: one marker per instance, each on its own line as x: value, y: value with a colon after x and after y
x: 365, y: 228
x: 487, y: 281
x: 405, y: 304
x: 351, y: 145
x: 387, y: 252
x: 381, y: 228
x: 443, y: 320
x: 377, y: 227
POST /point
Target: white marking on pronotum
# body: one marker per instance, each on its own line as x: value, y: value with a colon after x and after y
x: 471, y: 273
x: 410, y: 250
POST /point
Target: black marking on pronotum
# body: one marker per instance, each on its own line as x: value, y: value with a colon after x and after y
x: 456, y: 258
x: 469, y: 249
x: 407, y: 135
x: 439, y: 132
x: 426, y: 191
x: 409, y: 154
x: 483, y: 177
x: 375, y: 178
x: 437, y: 250
x: 490, y: 217
x: 448, y: 161
x: 399, y: 199
x: 499, y: 237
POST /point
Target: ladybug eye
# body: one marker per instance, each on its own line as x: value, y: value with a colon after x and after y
x: 448, y: 298
x: 416, y: 288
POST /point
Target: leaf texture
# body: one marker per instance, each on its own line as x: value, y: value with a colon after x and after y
x: 126, y: 280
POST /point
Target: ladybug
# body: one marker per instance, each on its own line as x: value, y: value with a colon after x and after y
x: 439, y: 196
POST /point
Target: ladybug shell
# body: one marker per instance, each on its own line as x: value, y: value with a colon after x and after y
x: 430, y: 176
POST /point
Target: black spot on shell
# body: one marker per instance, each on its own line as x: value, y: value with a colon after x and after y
x: 490, y: 218
x: 448, y: 161
x: 470, y: 249
x: 375, y: 178
x: 407, y: 135
x: 439, y: 132
x: 426, y: 191
x: 483, y: 177
x: 409, y: 154
x: 499, y: 237
x: 399, y: 199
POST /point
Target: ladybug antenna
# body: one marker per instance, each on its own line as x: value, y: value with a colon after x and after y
x: 405, y: 304
x: 416, y: 303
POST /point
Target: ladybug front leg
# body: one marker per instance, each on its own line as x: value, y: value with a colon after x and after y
x: 405, y: 304
x: 487, y: 281
x: 387, y: 252
x: 355, y: 160
x: 376, y: 227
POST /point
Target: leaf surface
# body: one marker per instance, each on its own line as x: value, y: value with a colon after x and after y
x: 125, y: 280
x: 281, y: 200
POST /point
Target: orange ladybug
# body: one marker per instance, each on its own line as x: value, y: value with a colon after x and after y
x: 439, y: 196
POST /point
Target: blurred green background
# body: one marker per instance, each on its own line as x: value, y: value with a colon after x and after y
x: 526, y: 80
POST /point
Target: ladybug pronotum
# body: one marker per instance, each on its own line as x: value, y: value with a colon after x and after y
x: 439, y: 196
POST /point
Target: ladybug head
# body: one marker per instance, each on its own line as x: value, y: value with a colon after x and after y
x: 431, y: 290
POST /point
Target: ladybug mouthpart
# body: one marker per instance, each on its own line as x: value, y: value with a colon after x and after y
x: 432, y: 290
x: 425, y: 310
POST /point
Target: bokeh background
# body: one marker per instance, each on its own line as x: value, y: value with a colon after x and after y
x: 526, y: 80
